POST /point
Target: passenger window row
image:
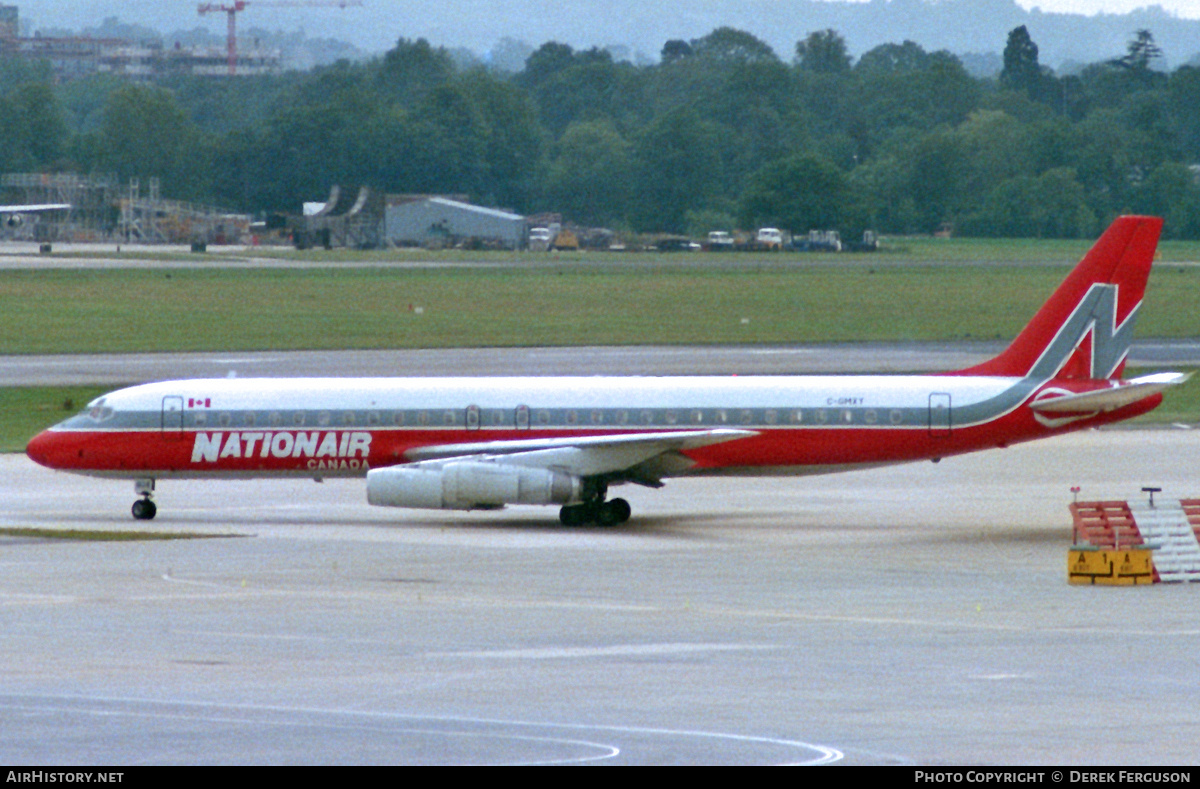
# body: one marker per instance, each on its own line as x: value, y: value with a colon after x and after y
x: 473, y: 418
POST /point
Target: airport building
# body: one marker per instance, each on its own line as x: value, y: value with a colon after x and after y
x: 411, y: 220
x: 9, y: 22
x: 72, y: 57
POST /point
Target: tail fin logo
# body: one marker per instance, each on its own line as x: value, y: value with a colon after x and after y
x: 1094, y: 316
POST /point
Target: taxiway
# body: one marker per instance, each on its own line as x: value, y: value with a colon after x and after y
x: 897, y: 357
x: 909, y: 615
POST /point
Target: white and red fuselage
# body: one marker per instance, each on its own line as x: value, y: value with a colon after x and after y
x: 331, y: 427
x: 485, y: 442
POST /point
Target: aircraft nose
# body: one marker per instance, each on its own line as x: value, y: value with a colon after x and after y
x: 46, y: 449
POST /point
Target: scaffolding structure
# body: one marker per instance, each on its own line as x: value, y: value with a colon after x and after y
x: 154, y: 220
x: 101, y: 209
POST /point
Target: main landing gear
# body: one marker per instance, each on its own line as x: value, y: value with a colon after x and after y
x: 144, y: 509
x: 598, y: 511
x: 593, y: 508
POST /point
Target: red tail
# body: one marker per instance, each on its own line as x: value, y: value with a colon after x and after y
x: 1069, y: 337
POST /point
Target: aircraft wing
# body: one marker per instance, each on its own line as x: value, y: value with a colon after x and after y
x: 1122, y: 394
x: 33, y: 208
x: 583, y: 456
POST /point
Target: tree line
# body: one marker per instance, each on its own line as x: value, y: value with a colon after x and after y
x: 721, y: 133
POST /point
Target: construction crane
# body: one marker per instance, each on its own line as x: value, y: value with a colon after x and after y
x: 231, y: 11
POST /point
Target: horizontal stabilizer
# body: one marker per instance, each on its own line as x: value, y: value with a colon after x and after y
x: 1123, y: 393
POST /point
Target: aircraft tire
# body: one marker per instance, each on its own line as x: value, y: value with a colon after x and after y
x: 610, y: 513
x: 144, y: 510
x: 575, y: 515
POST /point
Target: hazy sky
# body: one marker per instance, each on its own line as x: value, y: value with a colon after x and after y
x: 375, y: 25
x: 1184, y: 8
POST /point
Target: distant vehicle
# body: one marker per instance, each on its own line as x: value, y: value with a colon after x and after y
x: 565, y: 239
x: 675, y: 244
x: 544, y: 239
x: 540, y: 238
x: 869, y: 243
x: 719, y: 241
x: 824, y: 241
x: 599, y: 238
x: 770, y: 238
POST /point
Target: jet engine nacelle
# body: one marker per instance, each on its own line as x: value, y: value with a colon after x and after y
x: 467, y: 485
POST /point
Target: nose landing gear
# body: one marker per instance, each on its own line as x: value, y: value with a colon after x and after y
x: 144, y: 509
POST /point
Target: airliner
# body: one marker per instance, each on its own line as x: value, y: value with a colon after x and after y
x: 14, y: 215
x: 487, y: 442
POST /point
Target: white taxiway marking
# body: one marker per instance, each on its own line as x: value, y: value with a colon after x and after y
x: 824, y: 754
x: 606, y: 751
x: 550, y: 653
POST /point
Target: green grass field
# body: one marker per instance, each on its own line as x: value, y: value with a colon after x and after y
x: 56, y: 311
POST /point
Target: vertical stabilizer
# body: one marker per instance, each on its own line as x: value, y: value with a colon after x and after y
x: 1084, y: 330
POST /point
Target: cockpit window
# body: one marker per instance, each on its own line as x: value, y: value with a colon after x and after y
x: 98, y: 411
